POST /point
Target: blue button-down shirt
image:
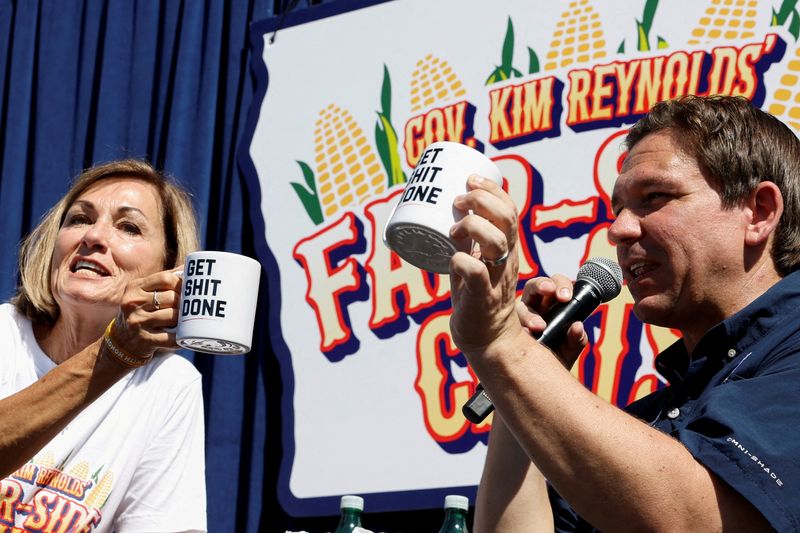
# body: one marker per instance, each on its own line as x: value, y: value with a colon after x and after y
x: 735, y: 405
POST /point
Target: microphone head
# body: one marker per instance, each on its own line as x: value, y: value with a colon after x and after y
x: 604, y: 274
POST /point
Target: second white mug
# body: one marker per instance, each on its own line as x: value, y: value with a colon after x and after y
x: 418, y: 229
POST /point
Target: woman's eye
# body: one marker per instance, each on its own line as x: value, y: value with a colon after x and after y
x: 77, y: 219
x: 131, y: 228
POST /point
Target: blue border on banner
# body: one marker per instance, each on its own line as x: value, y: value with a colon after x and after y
x: 300, y: 507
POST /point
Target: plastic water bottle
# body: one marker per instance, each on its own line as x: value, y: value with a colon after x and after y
x: 351, y: 508
x: 455, y: 514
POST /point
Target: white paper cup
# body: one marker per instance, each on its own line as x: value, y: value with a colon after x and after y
x: 218, y: 303
x: 418, y: 229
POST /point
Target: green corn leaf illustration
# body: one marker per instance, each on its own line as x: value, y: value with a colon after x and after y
x: 508, y: 48
x: 506, y: 70
x: 382, y: 144
x: 643, y: 45
x: 496, y: 75
x: 643, y: 29
x: 96, y: 476
x: 786, y: 10
x: 794, y: 25
x: 662, y: 43
x: 533, y: 61
x: 621, y: 49
x: 386, y: 136
x: 308, y: 194
x: 386, y: 94
x: 649, y: 14
x: 391, y: 157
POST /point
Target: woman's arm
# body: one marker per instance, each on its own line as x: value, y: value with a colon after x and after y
x: 33, y: 416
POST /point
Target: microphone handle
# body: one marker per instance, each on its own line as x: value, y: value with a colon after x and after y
x: 585, y: 299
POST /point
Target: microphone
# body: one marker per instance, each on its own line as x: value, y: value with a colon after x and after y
x: 599, y: 280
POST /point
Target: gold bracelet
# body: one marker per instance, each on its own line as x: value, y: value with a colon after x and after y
x: 118, y: 353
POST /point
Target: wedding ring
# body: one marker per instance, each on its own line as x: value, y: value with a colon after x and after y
x: 496, y: 262
x: 156, y: 303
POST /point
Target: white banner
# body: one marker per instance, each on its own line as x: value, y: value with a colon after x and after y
x: 373, y: 385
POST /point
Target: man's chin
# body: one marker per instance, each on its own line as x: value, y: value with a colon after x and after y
x: 650, y: 311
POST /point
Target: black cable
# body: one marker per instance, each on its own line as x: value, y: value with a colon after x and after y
x: 292, y: 4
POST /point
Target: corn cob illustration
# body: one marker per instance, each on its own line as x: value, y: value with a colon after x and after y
x: 348, y: 170
x: 46, y: 460
x: 433, y: 80
x: 95, y: 501
x: 80, y: 471
x: 578, y: 37
x: 786, y: 105
x: 786, y: 98
x: 99, y: 494
x: 725, y: 19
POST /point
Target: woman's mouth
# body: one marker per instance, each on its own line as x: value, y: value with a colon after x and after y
x: 82, y: 265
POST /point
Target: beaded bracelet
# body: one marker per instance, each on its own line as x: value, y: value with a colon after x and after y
x: 118, y: 353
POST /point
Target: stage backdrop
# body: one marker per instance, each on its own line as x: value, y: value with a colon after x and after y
x: 373, y: 386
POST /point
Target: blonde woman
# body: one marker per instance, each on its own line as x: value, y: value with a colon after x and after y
x: 101, y: 426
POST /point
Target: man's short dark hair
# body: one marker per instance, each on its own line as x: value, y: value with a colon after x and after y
x: 738, y: 146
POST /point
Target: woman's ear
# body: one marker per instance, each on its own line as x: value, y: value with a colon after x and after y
x: 766, y: 208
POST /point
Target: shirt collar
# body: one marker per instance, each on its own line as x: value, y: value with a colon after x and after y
x: 738, y: 331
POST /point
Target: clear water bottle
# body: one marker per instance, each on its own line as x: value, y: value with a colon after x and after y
x: 455, y: 514
x: 351, y: 508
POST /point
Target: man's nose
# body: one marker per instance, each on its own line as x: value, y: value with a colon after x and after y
x: 625, y: 228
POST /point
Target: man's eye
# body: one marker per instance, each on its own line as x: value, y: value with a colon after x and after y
x: 655, y: 196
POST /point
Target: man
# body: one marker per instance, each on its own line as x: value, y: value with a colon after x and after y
x: 708, y: 237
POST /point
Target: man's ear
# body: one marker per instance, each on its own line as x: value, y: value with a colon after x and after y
x: 766, y: 207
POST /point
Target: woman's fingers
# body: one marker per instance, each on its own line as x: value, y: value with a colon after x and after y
x: 149, y: 305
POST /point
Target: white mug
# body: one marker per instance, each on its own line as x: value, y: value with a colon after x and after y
x: 218, y: 302
x: 418, y: 230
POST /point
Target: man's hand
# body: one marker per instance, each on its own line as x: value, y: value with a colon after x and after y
x: 538, y: 296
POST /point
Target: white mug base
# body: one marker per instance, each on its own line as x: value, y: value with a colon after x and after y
x: 421, y: 246
x: 213, y: 346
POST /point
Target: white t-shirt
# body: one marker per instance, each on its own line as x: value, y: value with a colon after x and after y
x: 132, y: 461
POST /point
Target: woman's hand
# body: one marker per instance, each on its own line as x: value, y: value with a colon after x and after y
x: 148, y: 307
x: 538, y: 296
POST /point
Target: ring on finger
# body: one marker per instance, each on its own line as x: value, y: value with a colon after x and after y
x: 156, y: 303
x: 495, y: 262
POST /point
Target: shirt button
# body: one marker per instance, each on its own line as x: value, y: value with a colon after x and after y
x: 673, y: 413
x: 731, y: 353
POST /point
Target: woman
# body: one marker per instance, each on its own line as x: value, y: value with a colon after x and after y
x: 97, y: 433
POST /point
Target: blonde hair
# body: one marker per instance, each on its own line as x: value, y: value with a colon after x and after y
x: 34, y: 297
